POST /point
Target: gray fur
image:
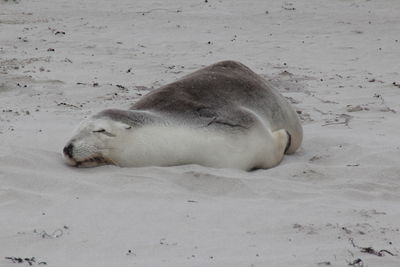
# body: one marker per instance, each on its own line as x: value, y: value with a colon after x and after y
x: 131, y: 118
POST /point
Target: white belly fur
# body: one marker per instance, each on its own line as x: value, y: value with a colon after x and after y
x: 160, y: 145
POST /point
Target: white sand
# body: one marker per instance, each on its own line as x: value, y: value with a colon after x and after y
x: 335, y: 59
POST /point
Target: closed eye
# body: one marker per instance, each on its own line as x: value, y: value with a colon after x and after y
x: 104, y: 132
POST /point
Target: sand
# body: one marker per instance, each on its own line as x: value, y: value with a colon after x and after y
x: 333, y: 203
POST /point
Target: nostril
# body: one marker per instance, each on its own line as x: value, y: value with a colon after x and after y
x: 68, y: 150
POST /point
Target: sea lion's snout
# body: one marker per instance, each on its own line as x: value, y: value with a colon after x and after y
x: 68, y: 154
x: 68, y: 150
x: 80, y: 156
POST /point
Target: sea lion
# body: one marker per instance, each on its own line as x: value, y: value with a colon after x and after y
x: 223, y: 116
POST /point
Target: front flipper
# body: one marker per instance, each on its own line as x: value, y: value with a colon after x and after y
x: 235, y: 119
x: 283, y: 140
x: 289, y: 142
x: 280, y: 143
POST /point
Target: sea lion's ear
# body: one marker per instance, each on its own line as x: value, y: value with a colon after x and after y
x: 123, y: 125
x: 126, y: 126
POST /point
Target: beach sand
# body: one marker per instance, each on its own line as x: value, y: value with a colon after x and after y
x: 333, y: 203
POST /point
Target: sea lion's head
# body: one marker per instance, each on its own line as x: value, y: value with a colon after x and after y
x: 96, y: 140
